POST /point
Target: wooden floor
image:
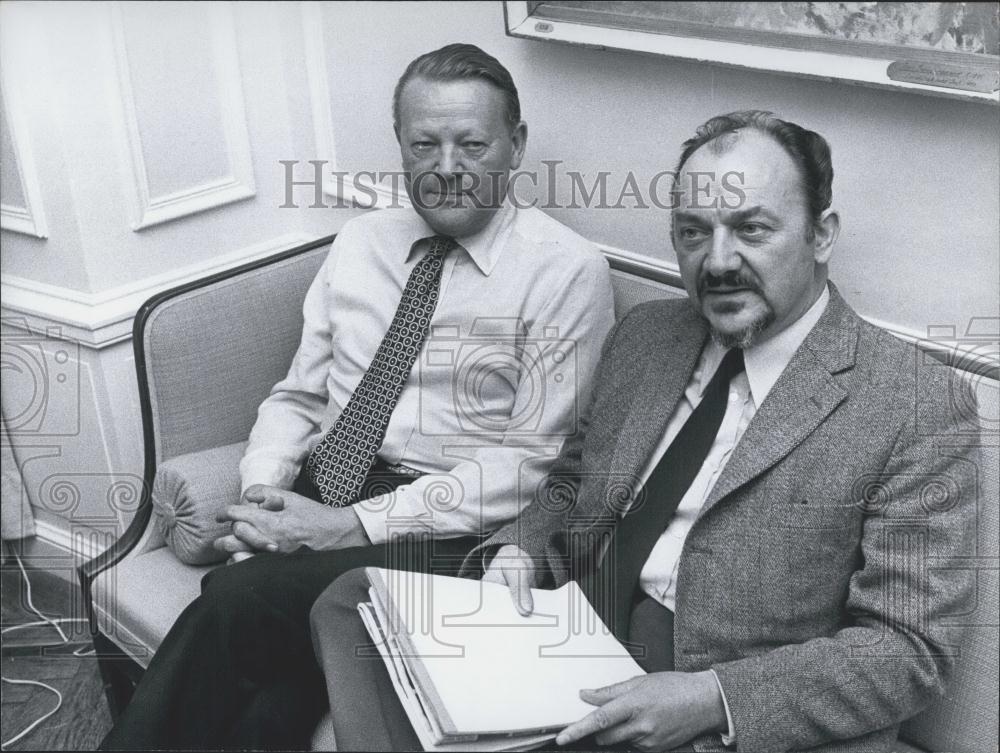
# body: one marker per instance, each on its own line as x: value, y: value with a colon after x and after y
x: 33, y: 654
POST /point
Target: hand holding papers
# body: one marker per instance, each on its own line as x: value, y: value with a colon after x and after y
x: 658, y: 711
x: 514, y: 568
x: 473, y: 674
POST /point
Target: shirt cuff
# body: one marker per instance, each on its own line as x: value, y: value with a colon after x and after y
x: 371, y: 513
x: 729, y: 736
x: 383, y: 516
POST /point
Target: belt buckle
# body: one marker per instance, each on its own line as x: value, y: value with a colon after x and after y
x: 403, y: 470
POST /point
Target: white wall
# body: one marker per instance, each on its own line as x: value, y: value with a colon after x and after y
x: 141, y: 147
x: 141, y: 112
x: 916, y: 176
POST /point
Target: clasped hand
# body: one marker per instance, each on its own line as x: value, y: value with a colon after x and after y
x: 277, y: 520
x: 657, y: 711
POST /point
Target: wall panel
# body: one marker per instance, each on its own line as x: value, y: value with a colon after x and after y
x: 182, y: 98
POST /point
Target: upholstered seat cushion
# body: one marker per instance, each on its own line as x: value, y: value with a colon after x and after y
x: 189, y: 491
x: 137, y: 602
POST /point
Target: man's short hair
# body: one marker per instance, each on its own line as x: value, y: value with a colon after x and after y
x: 455, y: 62
x: 808, y: 150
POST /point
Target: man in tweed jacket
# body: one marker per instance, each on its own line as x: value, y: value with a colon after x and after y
x: 804, y: 574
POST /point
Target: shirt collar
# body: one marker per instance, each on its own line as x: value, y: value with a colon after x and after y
x: 767, y: 360
x: 484, y: 247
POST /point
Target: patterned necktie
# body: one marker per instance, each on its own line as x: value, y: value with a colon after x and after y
x: 613, y: 586
x: 339, y: 464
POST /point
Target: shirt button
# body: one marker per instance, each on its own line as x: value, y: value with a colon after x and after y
x: 734, y: 396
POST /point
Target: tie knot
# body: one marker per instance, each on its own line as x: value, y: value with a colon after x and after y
x: 732, y: 365
x: 441, y: 245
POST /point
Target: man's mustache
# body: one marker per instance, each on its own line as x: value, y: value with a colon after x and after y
x: 431, y: 182
x: 731, y: 280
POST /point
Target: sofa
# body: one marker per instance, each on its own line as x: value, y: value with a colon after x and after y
x: 206, y: 355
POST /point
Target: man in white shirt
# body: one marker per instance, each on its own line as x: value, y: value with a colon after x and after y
x: 769, y: 561
x: 446, y: 350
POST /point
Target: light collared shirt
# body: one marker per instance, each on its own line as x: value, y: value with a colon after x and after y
x: 523, y: 309
x: 765, y: 363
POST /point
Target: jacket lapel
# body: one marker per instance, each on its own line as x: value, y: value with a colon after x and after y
x: 670, y: 357
x: 802, y: 398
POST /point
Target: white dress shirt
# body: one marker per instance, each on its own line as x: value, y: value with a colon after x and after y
x: 764, y: 364
x: 523, y: 310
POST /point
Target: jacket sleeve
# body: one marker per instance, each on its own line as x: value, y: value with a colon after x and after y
x: 893, y: 655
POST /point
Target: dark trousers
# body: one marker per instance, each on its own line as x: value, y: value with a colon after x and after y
x: 365, y: 710
x: 237, y: 669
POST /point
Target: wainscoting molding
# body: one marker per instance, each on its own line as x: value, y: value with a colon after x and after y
x: 97, y: 320
x: 60, y: 551
x: 150, y: 210
x: 28, y: 219
x: 314, y: 51
x: 81, y: 545
x: 365, y: 194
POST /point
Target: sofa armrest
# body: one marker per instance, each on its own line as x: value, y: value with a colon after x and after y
x: 210, y: 353
x: 189, y: 491
x: 206, y: 354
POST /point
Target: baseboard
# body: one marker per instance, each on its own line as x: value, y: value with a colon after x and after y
x: 54, y: 550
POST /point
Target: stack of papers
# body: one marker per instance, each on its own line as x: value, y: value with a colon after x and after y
x: 472, y: 674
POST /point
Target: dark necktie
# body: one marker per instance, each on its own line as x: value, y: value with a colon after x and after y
x: 339, y: 463
x: 637, y: 533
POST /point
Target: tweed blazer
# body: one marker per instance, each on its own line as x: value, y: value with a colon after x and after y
x: 815, y: 580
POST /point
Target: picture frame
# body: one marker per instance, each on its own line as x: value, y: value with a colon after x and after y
x: 942, y: 49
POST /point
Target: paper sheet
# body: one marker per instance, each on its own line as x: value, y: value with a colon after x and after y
x: 485, y: 669
x: 416, y: 713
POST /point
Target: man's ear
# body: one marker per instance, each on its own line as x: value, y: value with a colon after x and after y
x: 519, y: 138
x: 826, y: 231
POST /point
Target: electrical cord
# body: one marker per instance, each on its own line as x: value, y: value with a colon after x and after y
x: 40, y: 719
x: 54, y: 623
x: 39, y: 623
